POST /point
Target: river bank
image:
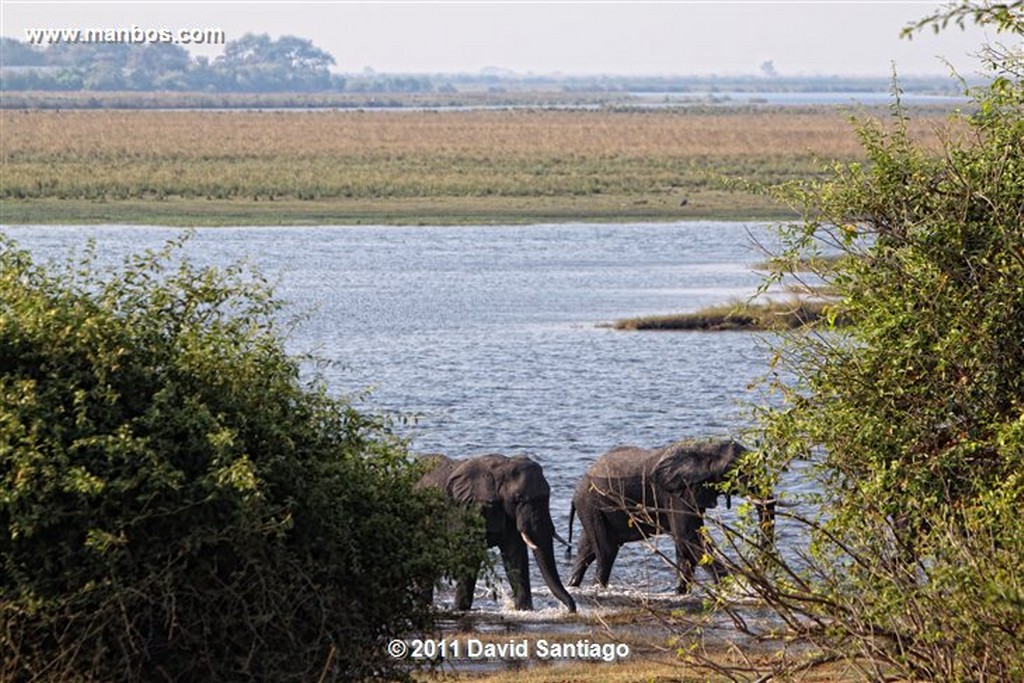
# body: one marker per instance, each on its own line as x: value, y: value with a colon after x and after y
x: 715, y: 205
x: 614, y: 639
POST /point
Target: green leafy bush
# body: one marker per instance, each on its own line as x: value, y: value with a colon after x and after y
x: 176, y: 502
x: 910, y: 420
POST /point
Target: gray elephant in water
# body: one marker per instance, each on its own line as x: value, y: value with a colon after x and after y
x: 633, y: 493
x: 512, y: 495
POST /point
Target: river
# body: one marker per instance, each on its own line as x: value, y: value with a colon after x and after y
x: 490, y: 338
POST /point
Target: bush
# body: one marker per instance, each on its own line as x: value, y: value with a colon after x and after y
x: 911, y: 419
x: 176, y: 502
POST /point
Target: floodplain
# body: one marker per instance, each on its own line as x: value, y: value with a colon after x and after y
x: 434, y: 166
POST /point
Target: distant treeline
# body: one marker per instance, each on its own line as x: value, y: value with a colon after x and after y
x: 253, y: 63
x: 289, y: 64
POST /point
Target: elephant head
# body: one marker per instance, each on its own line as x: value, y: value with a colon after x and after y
x: 699, y: 467
x: 513, y: 496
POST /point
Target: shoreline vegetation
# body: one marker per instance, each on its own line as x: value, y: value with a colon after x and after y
x: 806, y: 305
x: 744, y: 316
x: 429, y: 167
x: 717, y: 205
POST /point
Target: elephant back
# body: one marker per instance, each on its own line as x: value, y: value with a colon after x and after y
x: 437, y: 469
x: 622, y: 474
x: 618, y: 461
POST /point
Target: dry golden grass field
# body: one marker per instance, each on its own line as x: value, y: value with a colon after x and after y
x: 209, y: 167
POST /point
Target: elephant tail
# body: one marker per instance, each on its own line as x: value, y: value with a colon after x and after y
x: 572, y: 515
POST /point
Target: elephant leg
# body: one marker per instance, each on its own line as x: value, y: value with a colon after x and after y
x: 685, y: 561
x: 716, y: 567
x: 606, y: 554
x: 584, y: 556
x: 689, y: 548
x: 465, y: 588
x: 596, y: 543
x: 517, y: 569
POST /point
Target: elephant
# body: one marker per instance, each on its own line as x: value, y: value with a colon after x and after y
x: 633, y: 493
x: 512, y: 495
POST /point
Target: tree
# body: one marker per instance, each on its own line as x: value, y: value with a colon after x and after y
x: 155, y: 63
x: 89, y: 55
x: 910, y: 419
x: 176, y: 503
x: 259, y: 63
x: 104, y: 77
x: 17, y: 53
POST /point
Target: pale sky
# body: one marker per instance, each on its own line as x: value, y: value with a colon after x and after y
x: 667, y: 38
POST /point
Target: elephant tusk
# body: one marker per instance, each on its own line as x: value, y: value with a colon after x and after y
x: 529, y: 543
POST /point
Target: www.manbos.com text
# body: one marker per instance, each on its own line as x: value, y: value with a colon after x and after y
x: 131, y: 35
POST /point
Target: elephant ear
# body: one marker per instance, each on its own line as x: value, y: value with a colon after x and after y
x: 472, y: 482
x: 687, y: 463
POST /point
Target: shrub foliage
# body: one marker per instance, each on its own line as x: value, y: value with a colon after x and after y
x: 911, y: 418
x: 176, y: 502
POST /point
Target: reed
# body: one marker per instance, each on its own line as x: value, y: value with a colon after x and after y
x: 737, y: 315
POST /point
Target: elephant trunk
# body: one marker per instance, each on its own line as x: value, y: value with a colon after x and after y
x: 765, y: 506
x: 538, y: 532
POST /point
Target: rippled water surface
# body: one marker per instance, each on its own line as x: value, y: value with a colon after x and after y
x: 491, y: 337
